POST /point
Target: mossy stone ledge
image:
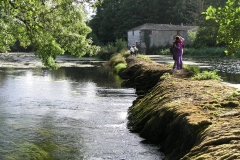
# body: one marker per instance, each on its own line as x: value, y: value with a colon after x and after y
x: 189, y: 119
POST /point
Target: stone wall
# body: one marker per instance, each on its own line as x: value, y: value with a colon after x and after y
x: 189, y: 119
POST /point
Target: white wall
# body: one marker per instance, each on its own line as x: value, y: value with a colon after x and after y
x: 158, y: 38
x: 164, y: 38
x: 132, y: 39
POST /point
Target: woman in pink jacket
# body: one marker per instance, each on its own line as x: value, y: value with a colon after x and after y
x: 178, y: 51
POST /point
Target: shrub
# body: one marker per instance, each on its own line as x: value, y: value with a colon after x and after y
x: 201, y: 52
x: 165, y: 51
x: 112, y: 48
x: 125, y: 53
x: 165, y: 76
x: 116, y: 59
x: 104, y: 54
x: 119, y: 67
x: 205, y: 52
x: 153, y: 50
x: 193, y: 70
x: 120, y: 44
x: 205, y: 75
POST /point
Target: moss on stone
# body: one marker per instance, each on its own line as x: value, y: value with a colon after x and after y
x: 189, y: 119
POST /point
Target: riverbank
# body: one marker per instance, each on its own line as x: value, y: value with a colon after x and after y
x: 30, y: 60
x: 189, y: 119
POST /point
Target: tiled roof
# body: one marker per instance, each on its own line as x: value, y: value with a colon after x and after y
x: 166, y: 27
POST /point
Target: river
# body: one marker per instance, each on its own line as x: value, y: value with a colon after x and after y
x: 68, y: 114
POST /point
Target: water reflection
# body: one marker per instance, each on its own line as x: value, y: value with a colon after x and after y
x: 228, y: 69
x: 71, y: 113
x: 230, y: 77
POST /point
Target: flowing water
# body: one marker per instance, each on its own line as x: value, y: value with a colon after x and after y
x: 68, y: 114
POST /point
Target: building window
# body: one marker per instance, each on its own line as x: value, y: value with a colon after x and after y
x: 150, y: 32
x: 133, y: 33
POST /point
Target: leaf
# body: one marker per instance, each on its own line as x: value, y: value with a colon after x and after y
x: 208, y: 17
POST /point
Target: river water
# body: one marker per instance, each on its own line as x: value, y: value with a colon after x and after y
x: 67, y: 114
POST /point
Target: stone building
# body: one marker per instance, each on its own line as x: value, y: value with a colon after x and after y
x: 148, y: 35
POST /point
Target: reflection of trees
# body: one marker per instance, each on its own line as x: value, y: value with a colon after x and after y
x: 102, y: 76
x: 2, y: 77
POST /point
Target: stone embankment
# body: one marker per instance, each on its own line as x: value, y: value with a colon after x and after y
x: 189, y: 119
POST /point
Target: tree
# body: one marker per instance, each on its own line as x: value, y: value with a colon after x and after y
x: 115, y: 17
x: 52, y: 27
x: 229, y: 24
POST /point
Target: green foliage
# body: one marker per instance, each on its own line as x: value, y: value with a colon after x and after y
x: 191, y: 37
x: 233, y: 95
x: 164, y: 51
x: 120, y: 45
x: 206, y: 35
x: 104, y: 53
x: 200, y: 52
x: 118, y: 62
x: 205, y: 75
x: 153, y: 50
x: 205, y: 52
x: 125, y: 53
x: 119, y: 67
x: 193, y: 70
x: 107, y: 51
x: 51, y: 28
x: 116, y: 59
x: 165, y: 76
x: 229, y: 23
x: 112, y: 48
x: 114, y: 18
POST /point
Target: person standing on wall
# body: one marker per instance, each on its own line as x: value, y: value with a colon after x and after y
x: 178, y: 51
x: 132, y: 50
x: 135, y: 50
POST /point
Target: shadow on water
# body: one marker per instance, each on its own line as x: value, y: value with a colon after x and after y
x: 70, y: 113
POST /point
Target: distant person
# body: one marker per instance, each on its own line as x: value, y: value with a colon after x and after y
x: 178, y: 51
x: 135, y: 50
x: 132, y: 50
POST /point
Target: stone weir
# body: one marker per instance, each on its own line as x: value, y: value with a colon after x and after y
x: 188, y: 119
